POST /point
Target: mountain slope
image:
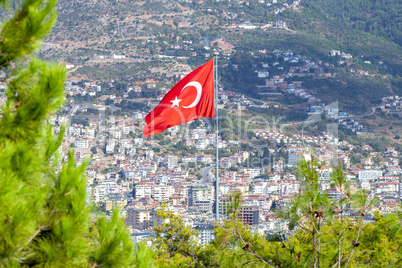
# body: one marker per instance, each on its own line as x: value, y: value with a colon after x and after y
x: 142, y: 30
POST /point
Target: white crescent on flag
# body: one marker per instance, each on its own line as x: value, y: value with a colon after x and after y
x: 198, y: 87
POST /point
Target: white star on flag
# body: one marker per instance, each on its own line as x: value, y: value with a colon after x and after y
x: 175, y: 102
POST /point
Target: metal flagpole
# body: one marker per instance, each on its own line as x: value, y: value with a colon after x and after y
x: 217, y: 140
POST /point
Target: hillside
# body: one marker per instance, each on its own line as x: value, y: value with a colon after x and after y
x: 379, y: 18
x: 88, y: 31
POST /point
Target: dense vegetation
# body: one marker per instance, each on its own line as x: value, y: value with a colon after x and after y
x: 380, y: 18
x: 44, y: 219
x: 355, y: 95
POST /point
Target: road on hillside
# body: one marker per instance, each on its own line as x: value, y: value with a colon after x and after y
x: 372, y: 112
x: 290, y: 124
x: 206, y: 175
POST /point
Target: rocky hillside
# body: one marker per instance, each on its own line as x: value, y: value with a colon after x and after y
x: 132, y: 41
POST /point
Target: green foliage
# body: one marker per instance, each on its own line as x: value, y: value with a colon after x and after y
x: 21, y: 35
x: 376, y: 17
x: 174, y: 241
x: 111, y: 244
x: 234, y: 244
x: 135, y: 105
x: 362, y: 92
x: 325, y: 241
x: 44, y: 219
x: 80, y: 121
x: 59, y: 240
x: 310, y: 209
x: 144, y: 256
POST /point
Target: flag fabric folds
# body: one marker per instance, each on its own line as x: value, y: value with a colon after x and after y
x: 190, y: 99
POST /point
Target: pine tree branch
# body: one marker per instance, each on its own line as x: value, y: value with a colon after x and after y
x: 396, y: 252
x: 328, y: 243
x: 41, y: 228
x: 248, y: 261
x: 319, y: 242
x: 357, y: 238
x: 364, y: 251
x: 12, y: 109
x: 304, y: 228
x: 252, y: 251
x: 339, y: 250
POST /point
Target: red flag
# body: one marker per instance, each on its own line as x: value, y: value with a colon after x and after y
x: 190, y: 99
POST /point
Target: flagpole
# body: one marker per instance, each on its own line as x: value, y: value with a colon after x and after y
x: 217, y: 139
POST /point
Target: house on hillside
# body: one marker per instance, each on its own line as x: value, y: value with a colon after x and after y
x: 334, y: 53
x: 247, y: 26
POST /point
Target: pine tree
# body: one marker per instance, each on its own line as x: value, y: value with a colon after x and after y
x: 44, y: 220
x: 175, y: 242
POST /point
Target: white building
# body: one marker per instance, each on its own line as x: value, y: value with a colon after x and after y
x: 254, y: 172
x: 74, y: 130
x: 171, y: 161
x: 258, y: 188
x: 202, y: 144
x: 143, y: 190
x: 90, y: 132
x: 271, y: 188
x: 161, y: 193
x: 110, y: 146
x: 206, y: 234
x: 369, y: 175
x: 247, y: 25
x: 116, y: 133
x: 263, y: 74
x: 82, y: 143
x: 281, y: 24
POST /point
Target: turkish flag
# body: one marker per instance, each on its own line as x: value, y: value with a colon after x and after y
x: 191, y: 98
